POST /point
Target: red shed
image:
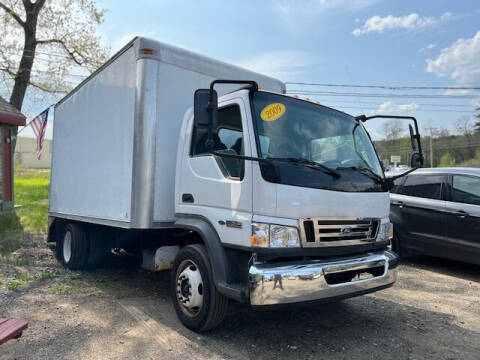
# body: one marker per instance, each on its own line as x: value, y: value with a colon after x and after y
x: 10, y: 117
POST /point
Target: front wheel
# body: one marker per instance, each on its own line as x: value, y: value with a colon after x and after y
x: 197, y: 302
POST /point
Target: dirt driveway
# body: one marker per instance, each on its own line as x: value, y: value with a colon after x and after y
x: 122, y: 312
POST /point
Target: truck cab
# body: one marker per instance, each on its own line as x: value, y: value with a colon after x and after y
x: 293, y: 193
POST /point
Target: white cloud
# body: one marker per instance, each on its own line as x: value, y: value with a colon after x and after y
x: 391, y: 107
x: 285, y: 64
x: 428, y: 47
x: 459, y: 61
x: 407, y: 22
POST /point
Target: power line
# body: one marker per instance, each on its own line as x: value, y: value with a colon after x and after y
x: 421, y: 104
x: 364, y: 108
x: 387, y: 87
x: 378, y: 95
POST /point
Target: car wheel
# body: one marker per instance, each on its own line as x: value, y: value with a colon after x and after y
x: 197, y: 302
x: 72, y: 247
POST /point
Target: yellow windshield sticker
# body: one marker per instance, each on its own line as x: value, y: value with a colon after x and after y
x: 272, y: 112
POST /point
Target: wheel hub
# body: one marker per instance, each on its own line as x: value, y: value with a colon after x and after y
x: 190, y: 288
x: 67, y: 247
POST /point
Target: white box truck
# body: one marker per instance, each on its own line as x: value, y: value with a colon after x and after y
x: 251, y: 196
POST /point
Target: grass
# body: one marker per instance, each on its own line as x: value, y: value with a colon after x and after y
x: 31, y: 193
x: 20, y: 278
x: 13, y: 285
x: 78, y: 283
x: 20, y: 229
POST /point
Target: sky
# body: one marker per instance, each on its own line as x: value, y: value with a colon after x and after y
x: 432, y: 43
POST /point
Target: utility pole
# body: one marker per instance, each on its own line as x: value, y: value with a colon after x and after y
x: 431, y: 151
x: 432, y: 131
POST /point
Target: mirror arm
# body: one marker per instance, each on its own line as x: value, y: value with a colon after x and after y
x: 393, y: 178
x: 211, y: 108
x: 364, y: 118
x: 253, y: 84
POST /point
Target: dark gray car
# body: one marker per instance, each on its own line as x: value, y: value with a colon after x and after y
x: 437, y: 212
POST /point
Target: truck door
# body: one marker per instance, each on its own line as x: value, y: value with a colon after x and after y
x: 220, y: 188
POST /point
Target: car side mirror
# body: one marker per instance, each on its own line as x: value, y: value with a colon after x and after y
x: 416, y: 160
x: 205, y: 107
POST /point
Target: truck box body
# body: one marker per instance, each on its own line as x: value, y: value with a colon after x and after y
x: 116, y: 135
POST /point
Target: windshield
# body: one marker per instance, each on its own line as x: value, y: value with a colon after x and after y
x: 297, y: 129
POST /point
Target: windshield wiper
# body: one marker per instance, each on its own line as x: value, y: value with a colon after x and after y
x: 309, y: 163
x: 364, y: 170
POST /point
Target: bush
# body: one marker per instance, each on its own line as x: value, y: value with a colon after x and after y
x: 446, y: 160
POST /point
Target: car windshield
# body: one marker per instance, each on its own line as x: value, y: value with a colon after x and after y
x: 295, y: 129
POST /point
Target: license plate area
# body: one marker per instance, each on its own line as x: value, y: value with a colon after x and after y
x: 336, y: 276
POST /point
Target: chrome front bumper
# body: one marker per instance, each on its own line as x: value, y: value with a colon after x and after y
x: 285, y: 283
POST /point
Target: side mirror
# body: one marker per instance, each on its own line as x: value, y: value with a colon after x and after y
x: 413, y: 139
x: 416, y: 160
x: 204, y: 109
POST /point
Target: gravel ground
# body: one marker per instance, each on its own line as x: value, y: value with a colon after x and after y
x: 432, y: 312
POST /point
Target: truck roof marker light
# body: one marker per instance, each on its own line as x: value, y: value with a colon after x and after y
x: 307, y: 98
x: 147, y: 51
x: 295, y: 96
x: 260, y: 87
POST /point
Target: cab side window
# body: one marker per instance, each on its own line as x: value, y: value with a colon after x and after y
x: 227, y: 137
x: 424, y: 186
x: 466, y: 189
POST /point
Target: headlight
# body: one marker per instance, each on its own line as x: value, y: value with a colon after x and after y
x: 385, y: 232
x: 274, y: 236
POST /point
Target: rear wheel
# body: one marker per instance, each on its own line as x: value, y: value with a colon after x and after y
x: 72, y: 247
x: 197, y: 302
x: 97, y: 249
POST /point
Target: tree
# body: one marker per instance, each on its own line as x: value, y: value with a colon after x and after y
x: 447, y: 160
x: 477, y: 116
x: 466, y: 127
x: 59, y: 38
x: 392, y: 130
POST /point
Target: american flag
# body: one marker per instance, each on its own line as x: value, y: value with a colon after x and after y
x: 39, y: 126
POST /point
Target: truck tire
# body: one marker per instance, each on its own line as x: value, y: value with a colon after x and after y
x: 96, y: 248
x: 72, y: 247
x: 197, y: 302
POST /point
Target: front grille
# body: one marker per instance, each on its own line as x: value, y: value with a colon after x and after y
x: 337, y: 232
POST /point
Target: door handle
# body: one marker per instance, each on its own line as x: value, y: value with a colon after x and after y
x: 461, y: 214
x: 187, y: 198
x: 398, y: 203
